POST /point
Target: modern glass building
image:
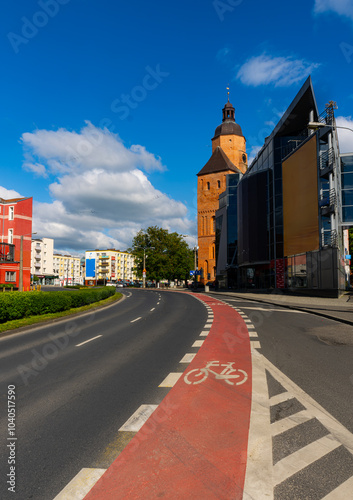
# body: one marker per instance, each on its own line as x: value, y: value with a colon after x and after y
x: 291, y: 204
x: 227, y: 234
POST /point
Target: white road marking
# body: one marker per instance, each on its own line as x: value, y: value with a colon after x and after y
x: 188, y: 358
x: 133, y: 321
x: 204, y: 333
x: 314, y: 409
x: 247, y: 320
x: 209, y: 321
x: 249, y: 327
x: 253, y: 334
x: 343, y: 491
x: 274, y: 310
x: 197, y: 343
x: 80, y: 485
x: 259, y: 457
x: 302, y: 458
x: 137, y: 419
x: 255, y: 344
x: 153, y: 308
x: 170, y: 380
x: 90, y: 340
x: 285, y: 424
x: 280, y: 398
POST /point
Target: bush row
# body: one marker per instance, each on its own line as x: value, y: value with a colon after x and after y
x: 15, y: 305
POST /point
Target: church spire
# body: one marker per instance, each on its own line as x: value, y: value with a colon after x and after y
x: 228, y: 112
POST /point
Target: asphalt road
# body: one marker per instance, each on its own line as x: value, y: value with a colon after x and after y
x: 72, y: 396
x: 71, y: 399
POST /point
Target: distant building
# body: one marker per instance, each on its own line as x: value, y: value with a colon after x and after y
x: 43, y: 261
x: 228, y: 157
x: 15, y: 242
x: 108, y: 265
x: 68, y: 269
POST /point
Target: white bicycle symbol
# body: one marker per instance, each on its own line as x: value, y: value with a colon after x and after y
x: 199, y: 375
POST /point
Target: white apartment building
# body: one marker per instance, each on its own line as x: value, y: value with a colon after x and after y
x: 42, y: 260
x: 68, y: 270
x: 109, y: 265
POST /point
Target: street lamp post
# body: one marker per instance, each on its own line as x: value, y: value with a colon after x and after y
x: 144, y: 265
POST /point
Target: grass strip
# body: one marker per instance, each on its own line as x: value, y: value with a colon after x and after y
x: 32, y: 320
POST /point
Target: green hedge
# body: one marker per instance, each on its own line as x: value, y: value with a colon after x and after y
x: 15, y: 305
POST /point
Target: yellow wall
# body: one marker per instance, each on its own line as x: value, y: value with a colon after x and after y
x: 300, y: 200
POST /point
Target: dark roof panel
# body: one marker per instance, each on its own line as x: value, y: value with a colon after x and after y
x: 219, y: 162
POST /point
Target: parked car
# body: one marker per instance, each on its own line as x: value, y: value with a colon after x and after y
x: 119, y: 284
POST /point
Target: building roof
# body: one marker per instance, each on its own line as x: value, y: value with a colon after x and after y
x: 228, y: 125
x: 13, y: 200
x: 219, y: 162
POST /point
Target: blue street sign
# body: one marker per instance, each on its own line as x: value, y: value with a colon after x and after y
x: 192, y: 273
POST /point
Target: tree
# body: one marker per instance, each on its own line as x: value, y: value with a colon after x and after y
x: 167, y: 254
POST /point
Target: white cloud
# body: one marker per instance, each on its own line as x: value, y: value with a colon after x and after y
x: 8, y: 194
x: 279, y: 71
x: 101, y: 192
x: 345, y: 137
x: 36, y: 168
x: 65, y: 151
x: 341, y: 7
x: 253, y: 153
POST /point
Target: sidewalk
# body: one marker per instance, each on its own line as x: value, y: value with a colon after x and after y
x: 340, y: 309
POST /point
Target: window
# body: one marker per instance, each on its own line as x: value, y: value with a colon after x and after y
x: 208, y: 185
x: 10, y: 236
x: 219, y: 184
x: 10, y: 276
x: 11, y: 213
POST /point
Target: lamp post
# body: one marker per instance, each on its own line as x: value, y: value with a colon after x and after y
x: 144, y: 265
x: 314, y: 125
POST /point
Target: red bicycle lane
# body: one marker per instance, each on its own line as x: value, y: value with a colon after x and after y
x: 194, y: 445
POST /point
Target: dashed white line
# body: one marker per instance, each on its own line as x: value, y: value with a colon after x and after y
x: 197, y: 343
x: 188, y: 357
x: 89, y: 340
x: 80, y: 485
x: 133, y: 321
x: 153, y: 308
x: 170, y: 380
x: 137, y: 419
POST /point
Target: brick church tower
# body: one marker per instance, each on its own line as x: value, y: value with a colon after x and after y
x: 228, y: 157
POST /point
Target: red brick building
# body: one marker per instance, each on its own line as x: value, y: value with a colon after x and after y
x: 228, y: 157
x: 16, y: 232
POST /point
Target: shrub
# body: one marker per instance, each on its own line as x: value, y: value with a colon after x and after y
x: 15, y: 305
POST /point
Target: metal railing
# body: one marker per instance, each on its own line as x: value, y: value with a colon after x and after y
x: 326, y: 159
x: 329, y: 238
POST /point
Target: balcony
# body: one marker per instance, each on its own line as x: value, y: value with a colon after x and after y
x: 328, y: 203
x: 7, y: 252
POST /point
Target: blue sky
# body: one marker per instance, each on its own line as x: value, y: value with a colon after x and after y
x: 108, y: 108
